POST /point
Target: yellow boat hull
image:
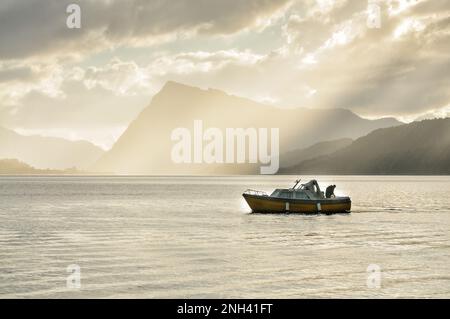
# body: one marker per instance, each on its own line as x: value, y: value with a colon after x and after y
x: 267, y: 204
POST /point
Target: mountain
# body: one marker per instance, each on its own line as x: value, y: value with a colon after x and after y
x: 319, y: 149
x: 415, y: 148
x: 48, y: 152
x: 146, y: 146
x: 15, y: 167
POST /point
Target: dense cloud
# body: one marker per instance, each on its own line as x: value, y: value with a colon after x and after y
x: 32, y: 27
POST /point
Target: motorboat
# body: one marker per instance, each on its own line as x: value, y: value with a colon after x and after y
x: 306, y: 198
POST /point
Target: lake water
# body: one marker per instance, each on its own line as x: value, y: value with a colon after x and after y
x: 183, y: 237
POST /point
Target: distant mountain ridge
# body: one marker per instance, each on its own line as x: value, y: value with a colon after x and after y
x: 145, y: 147
x: 48, y: 152
x: 319, y: 149
x: 415, y: 148
x: 16, y: 167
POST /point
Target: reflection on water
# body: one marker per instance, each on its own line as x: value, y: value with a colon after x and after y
x: 194, y: 237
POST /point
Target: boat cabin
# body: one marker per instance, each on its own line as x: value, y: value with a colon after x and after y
x: 310, y: 190
x: 294, y: 194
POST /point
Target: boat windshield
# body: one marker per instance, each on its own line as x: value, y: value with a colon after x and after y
x: 289, y: 194
x: 281, y: 193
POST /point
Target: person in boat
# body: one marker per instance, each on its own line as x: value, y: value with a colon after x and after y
x: 329, y: 193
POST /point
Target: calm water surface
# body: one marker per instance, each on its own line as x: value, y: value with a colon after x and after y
x: 166, y: 237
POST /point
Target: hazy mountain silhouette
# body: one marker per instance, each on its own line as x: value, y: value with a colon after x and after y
x: 48, y: 152
x: 319, y: 149
x: 416, y: 148
x: 145, y: 147
x: 15, y: 167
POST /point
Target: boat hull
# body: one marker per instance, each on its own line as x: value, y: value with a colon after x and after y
x: 266, y: 204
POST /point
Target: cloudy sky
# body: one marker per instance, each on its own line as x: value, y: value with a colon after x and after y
x: 91, y: 82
